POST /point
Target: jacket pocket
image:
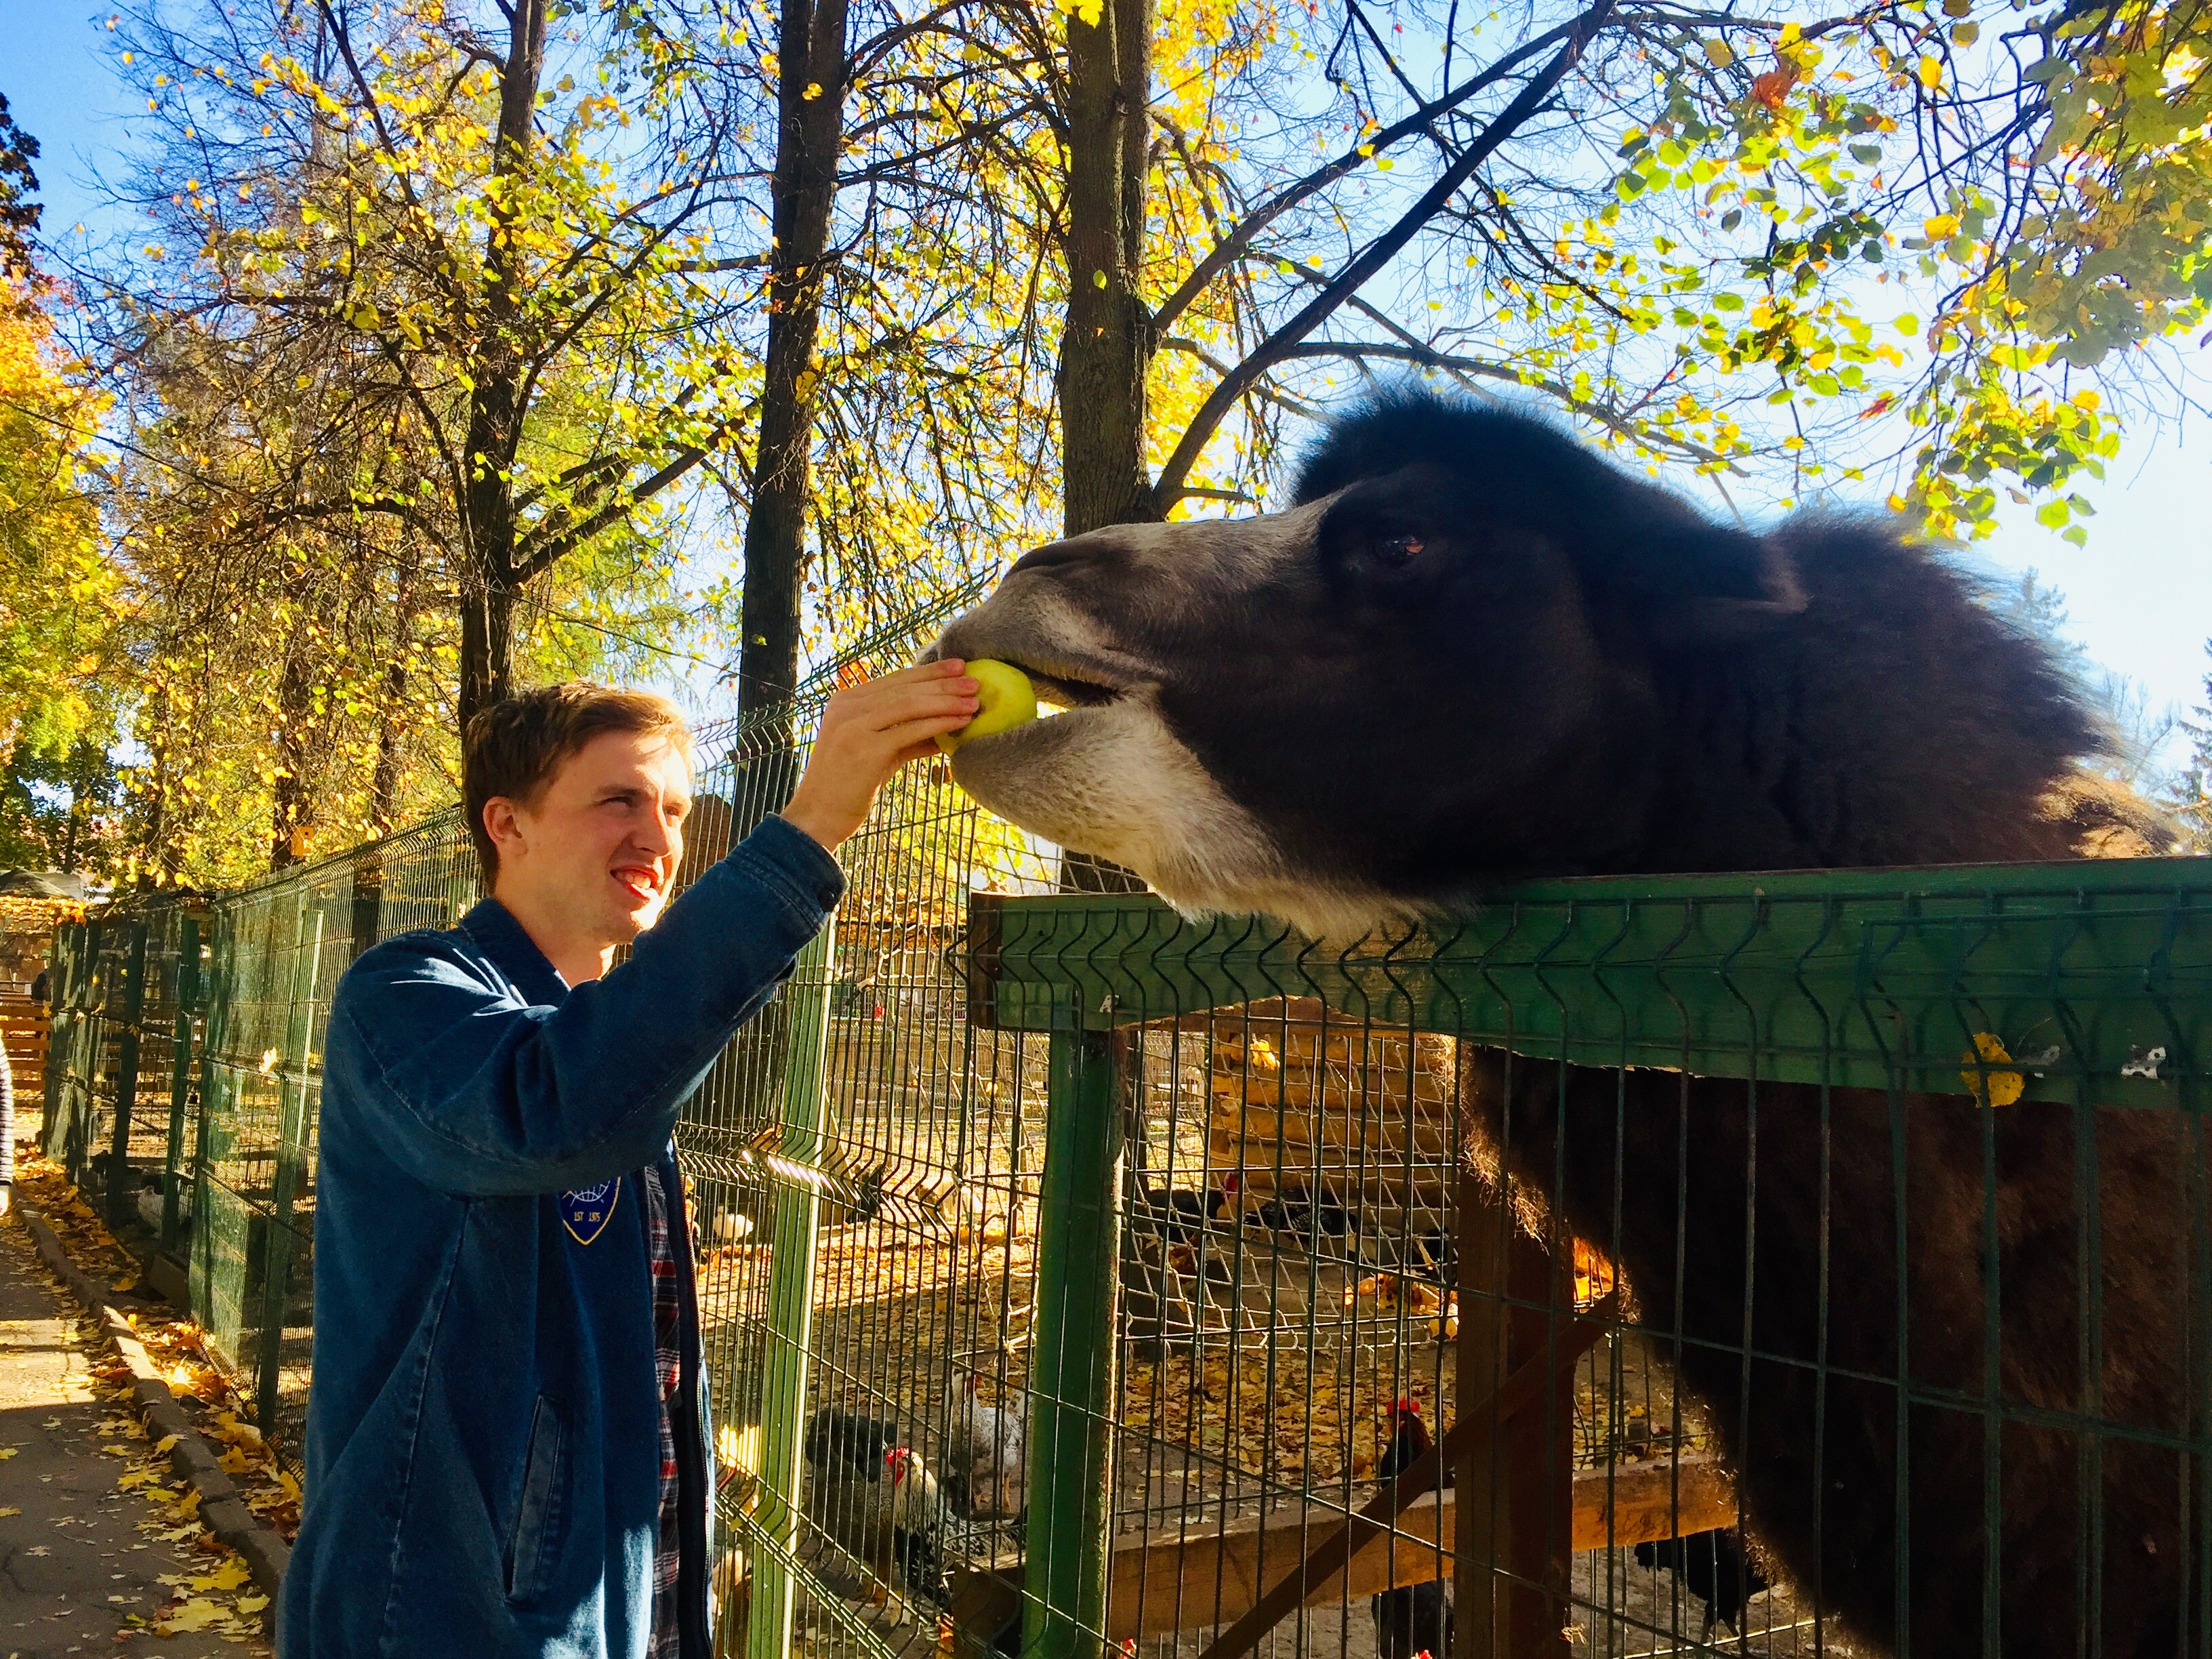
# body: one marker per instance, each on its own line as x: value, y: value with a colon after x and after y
x: 541, y: 1516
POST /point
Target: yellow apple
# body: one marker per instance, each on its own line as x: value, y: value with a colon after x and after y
x: 1005, y: 699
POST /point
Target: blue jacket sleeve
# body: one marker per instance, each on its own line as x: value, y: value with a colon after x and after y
x: 473, y: 1090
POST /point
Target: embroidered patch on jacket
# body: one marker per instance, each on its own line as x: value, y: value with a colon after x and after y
x: 584, y: 1213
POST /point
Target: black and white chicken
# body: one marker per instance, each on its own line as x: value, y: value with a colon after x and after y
x: 1413, y: 1618
x: 878, y: 1501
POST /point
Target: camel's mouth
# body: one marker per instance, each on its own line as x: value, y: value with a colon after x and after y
x: 1060, y: 682
x: 1057, y: 688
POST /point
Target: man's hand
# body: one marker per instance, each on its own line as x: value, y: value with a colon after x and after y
x: 868, y: 732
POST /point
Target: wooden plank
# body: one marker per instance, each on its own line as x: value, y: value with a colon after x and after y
x: 1166, y: 1584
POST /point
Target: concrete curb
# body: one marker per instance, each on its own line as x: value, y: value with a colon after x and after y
x: 221, y: 1509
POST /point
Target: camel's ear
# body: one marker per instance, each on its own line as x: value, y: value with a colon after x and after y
x: 1722, y: 585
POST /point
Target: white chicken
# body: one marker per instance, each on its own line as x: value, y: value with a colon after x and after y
x: 987, y: 1457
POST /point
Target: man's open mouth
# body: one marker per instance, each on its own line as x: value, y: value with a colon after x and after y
x: 641, y: 887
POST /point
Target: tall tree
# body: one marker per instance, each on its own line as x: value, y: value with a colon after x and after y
x: 809, y: 95
x: 61, y: 656
x: 516, y: 249
x: 19, y: 213
x: 1106, y: 342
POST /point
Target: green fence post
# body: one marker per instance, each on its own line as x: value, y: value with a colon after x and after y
x: 61, y: 978
x: 1070, y: 1468
x: 64, y: 1074
x: 291, y: 1154
x: 209, y: 1145
x: 122, y: 1192
x: 790, y: 1302
x: 68, y: 1132
x: 185, y: 1001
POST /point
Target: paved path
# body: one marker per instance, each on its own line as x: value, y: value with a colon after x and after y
x: 77, y: 1562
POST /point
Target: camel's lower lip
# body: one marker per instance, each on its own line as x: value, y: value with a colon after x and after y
x: 1051, y: 715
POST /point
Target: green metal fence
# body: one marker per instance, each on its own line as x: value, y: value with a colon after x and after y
x: 1808, y: 1263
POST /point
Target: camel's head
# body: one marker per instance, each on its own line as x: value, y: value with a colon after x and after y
x: 1417, y: 679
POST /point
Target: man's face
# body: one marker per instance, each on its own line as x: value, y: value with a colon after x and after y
x: 594, y: 853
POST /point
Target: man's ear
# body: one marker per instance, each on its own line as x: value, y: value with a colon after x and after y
x: 500, y: 824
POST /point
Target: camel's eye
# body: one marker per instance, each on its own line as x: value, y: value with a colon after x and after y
x: 1394, y: 550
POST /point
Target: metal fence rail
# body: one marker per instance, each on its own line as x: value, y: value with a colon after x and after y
x: 1804, y: 1263
x: 1865, y: 1217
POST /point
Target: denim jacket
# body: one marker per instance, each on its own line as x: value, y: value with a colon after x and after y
x: 483, y: 1439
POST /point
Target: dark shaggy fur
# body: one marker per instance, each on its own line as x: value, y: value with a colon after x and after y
x: 1827, y: 695
x: 1478, y: 651
x: 1877, y: 715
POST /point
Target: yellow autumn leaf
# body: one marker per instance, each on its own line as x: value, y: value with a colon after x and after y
x: 195, y: 1614
x: 1719, y: 53
x: 1991, y: 1088
x: 167, y: 1442
x: 230, y: 1574
x: 1931, y: 73
x: 9, y: 1509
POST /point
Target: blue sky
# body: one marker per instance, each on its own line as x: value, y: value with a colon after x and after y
x: 2140, y: 594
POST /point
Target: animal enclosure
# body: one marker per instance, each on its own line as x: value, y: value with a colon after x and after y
x: 1804, y: 1263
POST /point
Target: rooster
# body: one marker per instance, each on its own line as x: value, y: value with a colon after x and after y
x: 986, y: 1458
x: 878, y: 1501
x: 1412, y: 1618
x: 1714, y: 1568
x: 1175, y: 1213
x: 1320, y: 1216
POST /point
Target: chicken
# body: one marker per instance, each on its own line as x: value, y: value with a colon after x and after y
x: 1412, y: 1618
x: 1321, y: 1218
x: 1175, y: 1213
x: 918, y: 1519
x: 857, y: 1444
x: 986, y: 1458
x: 1714, y: 1568
x: 877, y: 1500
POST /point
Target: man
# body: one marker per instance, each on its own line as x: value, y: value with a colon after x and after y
x: 506, y: 1449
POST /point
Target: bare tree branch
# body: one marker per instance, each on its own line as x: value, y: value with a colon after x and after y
x: 1168, y: 489
x: 1233, y: 247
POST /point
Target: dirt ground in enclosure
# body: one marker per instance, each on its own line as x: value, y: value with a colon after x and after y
x: 1218, y: 1427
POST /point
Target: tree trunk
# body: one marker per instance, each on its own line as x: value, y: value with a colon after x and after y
x: 495, y: 405
x: 1107, y: 346
x: 811, y: 52
x: 384, y: 776
x: 154, y: 860
x: 487, y: 650
x: 291, y: 819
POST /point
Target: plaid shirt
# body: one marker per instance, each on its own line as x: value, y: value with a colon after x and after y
x: 667, y: 1322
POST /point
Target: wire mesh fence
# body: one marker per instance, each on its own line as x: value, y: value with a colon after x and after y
x: 1793, y: 1264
